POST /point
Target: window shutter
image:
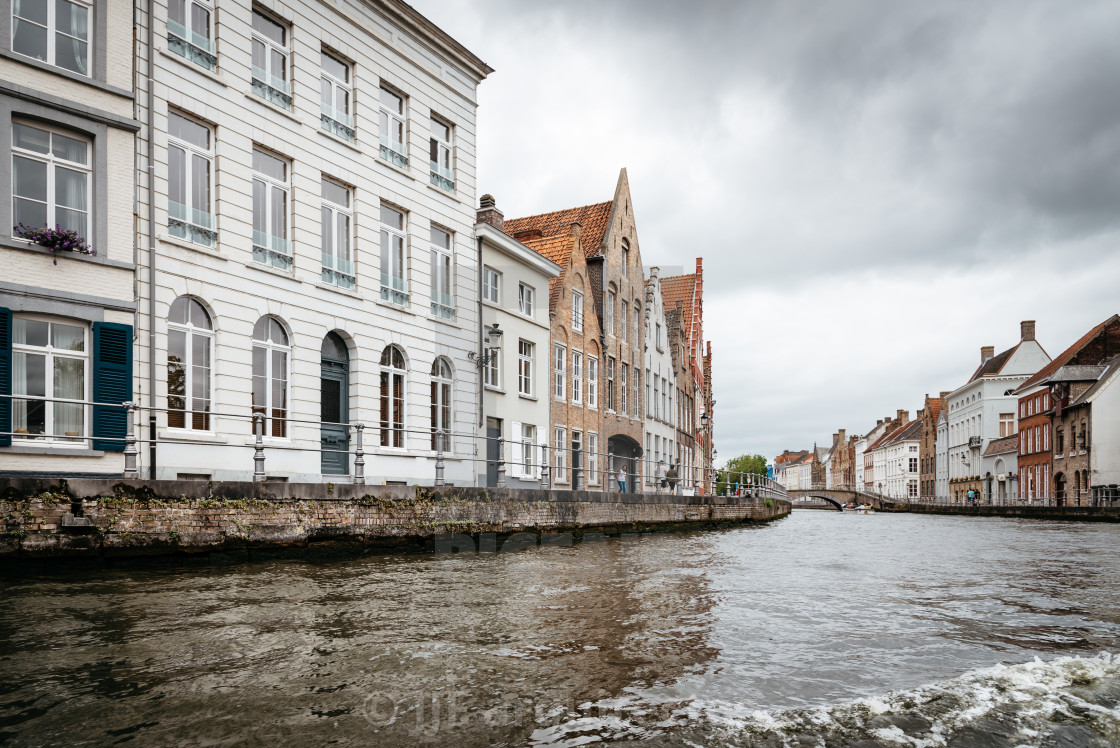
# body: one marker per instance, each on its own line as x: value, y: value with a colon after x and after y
x: 5, y: 377
x: 112, y: 383
x: 518, y: 470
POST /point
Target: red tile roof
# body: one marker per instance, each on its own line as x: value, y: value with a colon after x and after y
x: 557, y: 248
x: 995, y: 364
x: 1067, y: 355
x: 594, y: 219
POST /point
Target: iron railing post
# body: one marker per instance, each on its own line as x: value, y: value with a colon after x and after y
x: 258, y: 448
x: 130, y: 468
x: 439, y: 457
x: 544, y: 469
x: 359, y: 455
x: 501, y: 462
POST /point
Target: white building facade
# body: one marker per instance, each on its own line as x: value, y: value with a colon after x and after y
x: 941, y: 449
x: 307, y: 240
x: 661, y: 386
x: 66, y: 316
x: 896, y: 462
x: 514, y: 365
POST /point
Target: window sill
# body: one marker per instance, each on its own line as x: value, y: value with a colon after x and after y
x: 26, y: 246
x: 529, y: 397
x: 27, y: 449
x: 273, y: 271
x: 492, y: 305
x: 454, y: 195
x: 445, y: 321
x: 184, y: 244
x: 216, y: 77
x: 77, y: 77
x: 339, y: 289
x: 187, y: 435
x: 390, y: 305
x: 279, y: 440
x: 341, y: 141
x: 492, y: 388
x: 395, y: 169
x: 272, y: 107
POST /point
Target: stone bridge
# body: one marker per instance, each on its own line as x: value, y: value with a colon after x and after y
x: 840, y: 496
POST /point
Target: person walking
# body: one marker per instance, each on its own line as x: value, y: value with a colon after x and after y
x: 662, y: 483
x: 622, y: 479
x: 672, y: 477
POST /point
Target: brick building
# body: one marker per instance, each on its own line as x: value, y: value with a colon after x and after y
x: 597, y: 307
x: 686, y: 293
x: 686, y: 396
x: 927, y: 448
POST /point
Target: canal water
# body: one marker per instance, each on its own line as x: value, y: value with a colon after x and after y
x: 822, y: 629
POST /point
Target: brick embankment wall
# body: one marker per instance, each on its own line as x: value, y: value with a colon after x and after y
x: 104, y: 519
x: 1079, y: 513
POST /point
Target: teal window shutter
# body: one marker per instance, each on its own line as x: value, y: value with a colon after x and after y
x: 112, y: 383
x: 5, y: 377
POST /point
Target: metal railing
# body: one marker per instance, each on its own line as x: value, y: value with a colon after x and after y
x: 575, y: 466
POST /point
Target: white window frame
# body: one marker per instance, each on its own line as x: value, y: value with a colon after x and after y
x: 186, y: 40
x: 491, y: 285
x: 395, y: 432
x: 577, y: 311
x: 53, y: 32
x: 492, y: 371
x: 338, y: 264
x: 268, y: 248
x: 396, y: 153
x: 48, y: 437
x: 592, y: 458
x: 559, y: 454
x: 623, y: 389
x: 191, y: 331
x: 610, y: 312
x: 443, y: 403
x: 528, y: 439
x: 197, y: 222
x: 625, y: 316
x: 270, y: 346
x: 266, y: 77
x: 525, y: 294
x: 53, y: 163
x: 592, y: 382
x: 612, y: 366
x: 559, y: 366
x: 336, y: 121
x: 389, y: 290
x: 525, y: 368
x: 442, y: 274
x: 577, y: 377
x: 442, y: 168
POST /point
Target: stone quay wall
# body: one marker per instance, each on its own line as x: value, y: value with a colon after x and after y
x: 102, y: 519
x: 1077, y: 513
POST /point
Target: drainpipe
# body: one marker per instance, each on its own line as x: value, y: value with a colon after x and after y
x: 481, y: 389
x: 151, y: 248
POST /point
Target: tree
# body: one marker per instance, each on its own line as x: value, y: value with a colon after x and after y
x: 736, y: 468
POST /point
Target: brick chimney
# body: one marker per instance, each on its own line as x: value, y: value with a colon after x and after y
x: 488, y: 213
x: 903, y: 417
x: 843, y: 435
x: 1027, y: 329
x: 653, y: 271
x: 987, y: 352
x: 944, y: 394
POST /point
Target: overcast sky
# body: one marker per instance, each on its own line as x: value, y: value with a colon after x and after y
x: 877, y: 188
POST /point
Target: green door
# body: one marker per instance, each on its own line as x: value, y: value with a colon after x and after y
x: 334, y: 408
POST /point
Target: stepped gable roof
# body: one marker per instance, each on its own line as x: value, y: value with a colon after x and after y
x: 1003, y: 445
x: 993, y: 365
x: 935, y: 404
x: 680, y: 288
x: 1067, y: 355
x: 594, y: 219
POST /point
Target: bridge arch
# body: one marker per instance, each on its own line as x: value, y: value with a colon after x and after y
x: 838, y: 497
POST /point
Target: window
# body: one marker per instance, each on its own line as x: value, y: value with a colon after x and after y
x: 270, y: 375
x: 525, y: 368
x: 657, y: 335
x: 624, y: 315
x: 622, y: 389
x: 528, y: 438
x: 913, y: 464
x: 635, y: 406
x: 1046, y: 436
x: 492, y: 369
x: 912, y: 490
x: 270, y: 61
x: 577, y: 377
x: 1022, y: 410
x: 334, y: 103
x: 441, y: 401
x: 625, y: 257
x: 58, y: 32
x: 490, y: 285
x: 50, y: 179
x: 190, y: 154
x: 270, y: 211
x: 49, y: 360
x: 664, y: 399
x: 649, y: 400
x: 393, y: 148
x: 577, y: 311
x: 190, y: 349
x: 559, y: 454
x: 657, y: 396
x: 637, y: 323
x: 442, y: 175
x: 393, y: 286
x: 338, y: 268
x: 592, y: 382
x: 188, y: 31
x: 558, y: 373
x: 592, y: 458
x: 443, y: 302
x: 392, y: 398
x: 610, y: 312
x: 1006, y: 424
x: 610, y: 383
x: 525, y: 299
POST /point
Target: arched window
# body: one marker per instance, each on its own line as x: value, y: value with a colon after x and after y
x: 270, y: 374
x: 190, y: 349
x: 392, y: 397
x: 441, y: 400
